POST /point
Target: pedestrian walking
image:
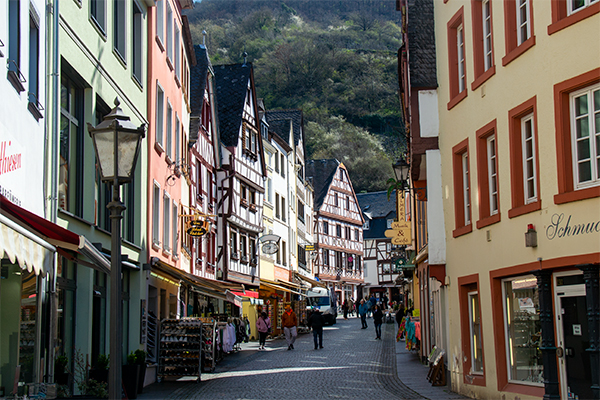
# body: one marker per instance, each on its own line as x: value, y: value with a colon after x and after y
x: 263, y: 324
x: 372, y: 302
x: 316, y: 322
x: 362, y: 311
x: 289, y: 321
x: 345, y: 309
x: 377, y: 320
x: 400, y: 314
x: 385, y: 301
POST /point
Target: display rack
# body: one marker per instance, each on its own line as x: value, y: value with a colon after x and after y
x: 151, y: 345
x: 209, y: 341
x: 180, y: 348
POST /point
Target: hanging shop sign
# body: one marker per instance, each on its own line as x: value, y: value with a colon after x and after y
x: 197, y: 223
x: 270, y: 243
x: 400, y: 232
x: 197, y: 228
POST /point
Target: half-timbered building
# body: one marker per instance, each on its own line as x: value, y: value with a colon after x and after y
x: 240, y: 179
x: 338, y: 228
x: 301, y: 193
x: 385, y: 266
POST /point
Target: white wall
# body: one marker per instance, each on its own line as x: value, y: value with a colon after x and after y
x: 435, y: 208
x: 428, y: 113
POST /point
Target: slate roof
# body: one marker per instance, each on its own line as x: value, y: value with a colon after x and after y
x: 377, y: 209
x: 421, y: 44
x: 376, y: 204
x: 231, y: 85
x: 321, y: 173
x: 282, y: 129
x: 297, y: 118
x: 198, y: 74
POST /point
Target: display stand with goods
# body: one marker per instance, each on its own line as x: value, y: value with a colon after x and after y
x: 209, y: 339
x: 180, y: 348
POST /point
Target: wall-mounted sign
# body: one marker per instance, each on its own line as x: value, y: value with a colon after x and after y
x: 197, y: 228
x: 562, y: 226
x: 400, y: 232
x: 309, y: 247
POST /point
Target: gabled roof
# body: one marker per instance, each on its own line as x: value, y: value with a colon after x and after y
x: 198, y: 75
x: 231, y: 87
x: 321, y: 173
x: 421, y: 44
x: 376, y: 204
x: 297, y: 119
x: 282, y: 129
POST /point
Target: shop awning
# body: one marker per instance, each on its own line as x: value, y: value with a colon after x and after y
x: 275, y: 286
x: 31, y: 240
x: 246, y: 293
x: 309, y: 281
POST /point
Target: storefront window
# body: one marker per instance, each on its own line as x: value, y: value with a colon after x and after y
x: 28, y: 325
x: 522, y: 324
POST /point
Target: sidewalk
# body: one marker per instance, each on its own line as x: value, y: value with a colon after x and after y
x: 414, y: 375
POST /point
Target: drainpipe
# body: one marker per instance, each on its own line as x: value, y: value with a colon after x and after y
x: 52, y: 134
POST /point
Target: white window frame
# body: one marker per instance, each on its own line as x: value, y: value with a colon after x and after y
x: 169, y: 35
x: 177, y: 160
x: 466, y: 188
x: 177, y: 54
x: 166, y: 222
x: 492, y: 174
x: 120, y: 29
x: 523, y: 23
x: 592, y: 137
x: 487, y: 34
x: 460, y: 53
x: 160, y: 118
x: 175, y: 225
x: 532, y: 176
x: 169, y: 136
x: 160, y: 20
x: 470, y: 296
x: 586, y: 4
x: 137, y: 43
x: 156, y: 215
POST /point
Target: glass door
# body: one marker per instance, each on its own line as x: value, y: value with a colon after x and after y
x: 573, y: 338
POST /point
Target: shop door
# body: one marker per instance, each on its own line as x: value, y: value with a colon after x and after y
x: 573, y: 339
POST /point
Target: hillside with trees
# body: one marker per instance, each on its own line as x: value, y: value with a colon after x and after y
x: 334, y: 59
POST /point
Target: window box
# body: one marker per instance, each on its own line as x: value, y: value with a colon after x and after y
x: 244, y: 203
x: 253, y: 207
x: 244, y: 259
x: 15, y: 76
x: 235, y: 255
x: 35, y: 107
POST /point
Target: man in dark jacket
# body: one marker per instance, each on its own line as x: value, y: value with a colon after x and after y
x: 316, y: 322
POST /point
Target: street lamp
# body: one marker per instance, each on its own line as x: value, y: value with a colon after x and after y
x: 401, y: 170
x: 117, y: 143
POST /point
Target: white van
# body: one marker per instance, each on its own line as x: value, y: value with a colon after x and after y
x: 325, y: 300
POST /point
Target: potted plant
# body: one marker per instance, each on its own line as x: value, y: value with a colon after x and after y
x: 100, y: 371
x: 140, y: 359
x: 130, y: 375
x: 61, y: 375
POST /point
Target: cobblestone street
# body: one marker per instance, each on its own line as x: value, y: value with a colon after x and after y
x: 352, y: 365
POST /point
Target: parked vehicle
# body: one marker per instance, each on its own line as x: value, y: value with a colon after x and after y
x: 325, y: 300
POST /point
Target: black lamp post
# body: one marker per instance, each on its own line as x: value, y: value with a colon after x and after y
x: 117, y: 143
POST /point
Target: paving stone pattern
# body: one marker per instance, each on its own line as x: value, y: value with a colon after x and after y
x: 352, y: 365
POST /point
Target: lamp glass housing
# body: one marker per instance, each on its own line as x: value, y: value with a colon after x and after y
x: 401, y: 169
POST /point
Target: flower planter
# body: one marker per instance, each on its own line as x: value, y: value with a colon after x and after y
x: 142, y: 378
x: 130, y: 375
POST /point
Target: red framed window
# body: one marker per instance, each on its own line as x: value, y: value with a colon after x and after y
x: 471, y: 330
x: 518, y: 28
x: 487, y: 175
x: 567, y: 13
x: 456, y: 59
x: 462, y: 189
x: 524, y: 159
x: 483, y: 47
x: 577, y: 112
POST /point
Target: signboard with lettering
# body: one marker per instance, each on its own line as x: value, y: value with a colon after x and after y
x: 197, y: 228
x: 400, y: 232
x: 309, y: 247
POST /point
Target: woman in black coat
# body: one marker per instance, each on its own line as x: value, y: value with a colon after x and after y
x: 377, y: 320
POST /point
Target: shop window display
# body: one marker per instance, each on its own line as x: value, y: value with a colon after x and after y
x: 523, y: 327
